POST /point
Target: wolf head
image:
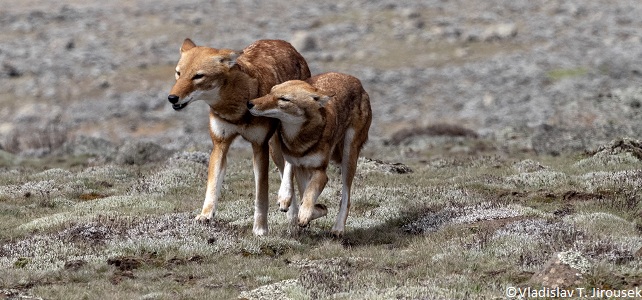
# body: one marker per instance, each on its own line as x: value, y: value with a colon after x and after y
x: 290, y: 102
x: 199, y: 74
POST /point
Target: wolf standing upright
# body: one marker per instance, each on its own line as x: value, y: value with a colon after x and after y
x: 226, y: 80
x: 326, y: 117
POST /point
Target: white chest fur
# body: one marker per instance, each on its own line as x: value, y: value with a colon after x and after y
x: 224, y: 129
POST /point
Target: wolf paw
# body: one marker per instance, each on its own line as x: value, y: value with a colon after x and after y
x: 284, y: 203
x: 337, y: 232
x: 307, y: 215
x: 202, y: 218
x: 320, y: 210
x: 260, y: 231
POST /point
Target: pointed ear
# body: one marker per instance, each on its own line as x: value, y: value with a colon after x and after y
x: 187, y: 44
x: 231, y: 61
x: 322, y: 99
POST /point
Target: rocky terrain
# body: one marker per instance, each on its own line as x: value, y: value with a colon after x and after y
x: 504, y: 148
x: 547, y: 76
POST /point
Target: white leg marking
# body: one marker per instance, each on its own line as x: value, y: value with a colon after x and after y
x: 286, y: 190
x: 261, y: 201
x: 342, y: 216
x: 293, y: 212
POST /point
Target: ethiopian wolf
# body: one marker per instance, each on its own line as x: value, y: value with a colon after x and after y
x: 226, y: 80
x: 325, y: 118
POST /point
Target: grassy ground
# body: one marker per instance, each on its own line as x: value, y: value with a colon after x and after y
x: 458, y: 226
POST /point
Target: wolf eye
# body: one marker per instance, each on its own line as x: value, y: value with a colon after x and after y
x: 284, y: 99
x: 178, y: 73
x: 197, y: 76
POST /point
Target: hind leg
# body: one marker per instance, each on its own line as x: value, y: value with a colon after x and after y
x: 348, y: 170
x: 261, y: 163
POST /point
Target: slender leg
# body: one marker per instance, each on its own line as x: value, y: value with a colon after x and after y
x: 302, y: 179
x: 215, y: 175
x: 261, y: 202
x: 286, y: 190
x: 348, y: 169
x: 292, y: 206
x: 309, y: 210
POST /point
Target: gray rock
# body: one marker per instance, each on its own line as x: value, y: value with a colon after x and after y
x: 139, y: 153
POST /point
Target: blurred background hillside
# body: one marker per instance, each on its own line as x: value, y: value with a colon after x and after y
x: 537, y: 76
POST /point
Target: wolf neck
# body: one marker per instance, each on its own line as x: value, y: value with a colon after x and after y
x: 236, y: 90
x: 300, y: 138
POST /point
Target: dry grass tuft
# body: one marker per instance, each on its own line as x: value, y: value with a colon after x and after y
x: 454, y: 227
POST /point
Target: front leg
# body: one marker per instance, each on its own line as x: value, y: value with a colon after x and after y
x: 215, y: 175
x: 286, y: 189
x: 261, y: 202
x: 309, y: 209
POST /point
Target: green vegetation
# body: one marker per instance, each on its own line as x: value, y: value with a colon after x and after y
x: 559, y: 74
x: 457, y: 226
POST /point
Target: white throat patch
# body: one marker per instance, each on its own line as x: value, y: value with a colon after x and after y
x: 211, y: 97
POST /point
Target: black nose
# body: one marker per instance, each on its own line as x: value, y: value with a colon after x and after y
x: 250, y: 105
x: 172, y: 99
